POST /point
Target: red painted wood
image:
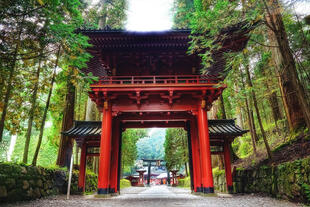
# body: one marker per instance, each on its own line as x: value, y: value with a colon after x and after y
x: 105, y: 150
x: 229, y: 180
x: 82, y: 171
x: 159, y: 79
x: 141, y: 177
x: 159, y: 116
x: 114, y: 155
x: 154, y: 107
x: 205, y: 152
x: 195, y: 156
x: 172, y: 124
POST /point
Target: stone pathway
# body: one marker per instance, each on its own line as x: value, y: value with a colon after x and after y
x: 157, y: 196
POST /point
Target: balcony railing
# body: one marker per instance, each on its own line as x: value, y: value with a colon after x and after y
x: 164, y: 79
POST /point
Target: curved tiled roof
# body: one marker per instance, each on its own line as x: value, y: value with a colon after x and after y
x: 220, y: 127
x: 121, y: 41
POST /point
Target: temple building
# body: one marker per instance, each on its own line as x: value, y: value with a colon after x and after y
x: 148, y: 80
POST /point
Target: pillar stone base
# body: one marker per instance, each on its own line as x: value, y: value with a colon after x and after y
x: 103, y: 191
x: 112, y: 190
x: 208, y: 190
x: 230, y: 189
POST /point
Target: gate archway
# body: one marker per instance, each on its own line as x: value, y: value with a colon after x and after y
x: 148, y: 80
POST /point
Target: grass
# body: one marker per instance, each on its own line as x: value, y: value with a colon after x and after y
x: 185, y: 183
x: 124, y: 183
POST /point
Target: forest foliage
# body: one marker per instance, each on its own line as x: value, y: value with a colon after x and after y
x: 42, y: 56
x: 268, y: 82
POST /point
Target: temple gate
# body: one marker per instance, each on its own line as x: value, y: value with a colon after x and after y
x: 148, y: 80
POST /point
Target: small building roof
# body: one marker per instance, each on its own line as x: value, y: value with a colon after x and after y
x: 218, y: 129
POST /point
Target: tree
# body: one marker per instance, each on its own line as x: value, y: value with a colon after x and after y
x: 176, y: 150
x: 129, y: 146
x: 296, y: 104
x: 35, y: 156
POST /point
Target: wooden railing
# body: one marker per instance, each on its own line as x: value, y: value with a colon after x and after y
x: 163, y: 79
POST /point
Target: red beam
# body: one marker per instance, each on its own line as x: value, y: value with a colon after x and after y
x: 153, y: 107
x: 155, y: 116
x: 156, y: 88
x: 172, y: 124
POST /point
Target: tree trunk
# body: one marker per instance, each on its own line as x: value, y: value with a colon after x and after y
x: 66, y: 143
x: 257, y: 112
x: 90, y: 110
x: 11, y: 75
x: 222, y: 107
x: 91, y: 115
x: 221, y: 162
x: 186, y: 170
x: 250, y: 118
x: 31, y: 112
x: 35, y: 156
x: 298, y: 106
x: 233, y: 155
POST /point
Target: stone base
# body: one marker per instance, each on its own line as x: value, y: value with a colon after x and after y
x: 208, y: 190
x: 230, y: 189
x: 103, y: 191
x: 199, y: 190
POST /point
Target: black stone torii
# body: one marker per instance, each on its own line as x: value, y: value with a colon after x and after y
x: 149, y: 169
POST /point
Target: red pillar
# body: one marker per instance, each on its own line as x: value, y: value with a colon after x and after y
x: 195, y: 156
x: 105, y: 152
x: 81, y: 185
x: 141, y: 177
x: 114, y: 156
x: 229, y: 181
x: 205, y: 152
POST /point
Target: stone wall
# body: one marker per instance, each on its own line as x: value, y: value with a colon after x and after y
x: 286, y: 181
x: 22, y: 182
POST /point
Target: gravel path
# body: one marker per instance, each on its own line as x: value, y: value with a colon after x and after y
x: 157, y: 196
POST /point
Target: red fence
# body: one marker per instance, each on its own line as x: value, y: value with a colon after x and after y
x: 175, y: 79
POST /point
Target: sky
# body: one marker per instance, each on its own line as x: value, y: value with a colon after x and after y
x: 302, y: 7
x: 156, y: 15
x: 149, y: 15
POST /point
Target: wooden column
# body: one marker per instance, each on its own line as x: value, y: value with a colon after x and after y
x: 205, y: 152
x: 229, y: 181
x: 119, y: 166
x: 82, y: 171
x: 190, y: 154
x: 114, y: 156
x: 105, y: 151
x: 195, y: 156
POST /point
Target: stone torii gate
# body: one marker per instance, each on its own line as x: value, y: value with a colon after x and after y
x: 148, y: 80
